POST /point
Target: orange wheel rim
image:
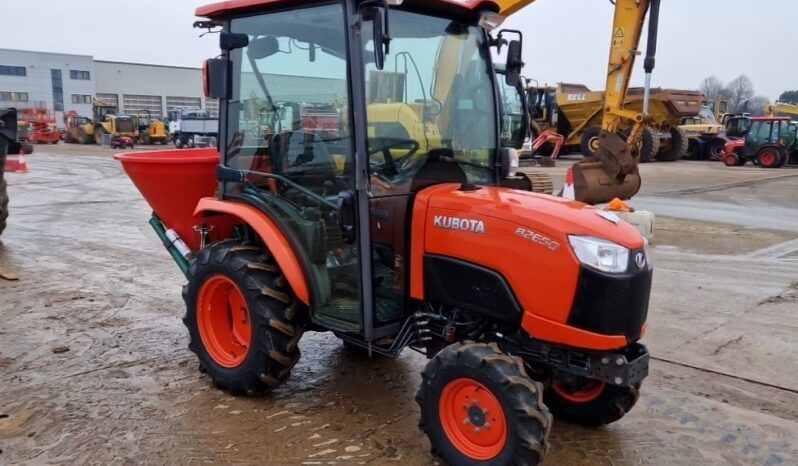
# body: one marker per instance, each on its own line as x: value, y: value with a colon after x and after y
x: 223, y: 320
x: 473, y: 419
x: 768, y: 158
x: 583, y: 395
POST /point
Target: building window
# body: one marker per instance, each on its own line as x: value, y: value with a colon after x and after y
x: 108, y: 99
x: 14, y: 96
x: 13, y: 70
x: 58, y: 90
x: 76, y: 74
x: 134, y: 104
x: 173, y: 103
x: 81, y: 99
x: 212, y: 107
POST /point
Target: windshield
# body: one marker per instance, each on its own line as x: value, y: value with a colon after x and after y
x: 707, y: 116
x: 433, y: 101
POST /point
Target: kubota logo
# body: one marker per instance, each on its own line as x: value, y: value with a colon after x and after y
x: 459, y: 224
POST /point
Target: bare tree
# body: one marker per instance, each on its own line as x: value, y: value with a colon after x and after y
x: 712, y: 87
x: 755, y: 105
x: 740, y: 90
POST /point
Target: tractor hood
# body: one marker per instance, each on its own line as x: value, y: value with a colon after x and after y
x: 550, y: 216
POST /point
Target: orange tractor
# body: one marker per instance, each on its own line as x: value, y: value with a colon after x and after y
x: 391, y: 231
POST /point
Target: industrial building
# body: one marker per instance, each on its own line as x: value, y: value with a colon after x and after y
x: 65, y: 82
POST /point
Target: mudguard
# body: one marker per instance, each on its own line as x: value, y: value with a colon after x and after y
x: 271, y: 235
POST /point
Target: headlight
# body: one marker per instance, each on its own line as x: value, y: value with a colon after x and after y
x: 600, y: 254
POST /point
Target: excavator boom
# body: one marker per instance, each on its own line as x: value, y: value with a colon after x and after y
x: 613, y: 171
x: 782, y: 108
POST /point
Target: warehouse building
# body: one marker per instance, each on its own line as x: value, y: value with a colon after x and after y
x: 134, y: 87
x: 64, y: 83
x: 54, y: 81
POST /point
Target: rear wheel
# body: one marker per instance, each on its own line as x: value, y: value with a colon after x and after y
x: 589, y: 143
x: 82, y: 137
x: 479, y: 407
x: 769, y: 157
x: 589, y: 402
x: 241, y: 317
x: 715, y: 149
x: 677, y: 147
x: 649, y: 145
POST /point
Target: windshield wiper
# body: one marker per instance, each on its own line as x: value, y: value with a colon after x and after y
x: 445, y: 154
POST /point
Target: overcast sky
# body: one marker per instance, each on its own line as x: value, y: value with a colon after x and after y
x: 566, y: 40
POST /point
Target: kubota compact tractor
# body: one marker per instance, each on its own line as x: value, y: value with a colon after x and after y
x: 393, y: 232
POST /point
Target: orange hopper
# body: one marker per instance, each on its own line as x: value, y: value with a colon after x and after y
x: 172, y: 182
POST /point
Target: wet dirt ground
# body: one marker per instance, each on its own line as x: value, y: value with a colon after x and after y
x: 95, y: 370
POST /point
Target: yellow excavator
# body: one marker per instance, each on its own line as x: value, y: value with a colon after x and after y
x: 613, y: 171
x: 781, y: 109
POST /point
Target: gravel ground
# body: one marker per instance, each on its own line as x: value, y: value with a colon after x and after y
x: 95, y: 368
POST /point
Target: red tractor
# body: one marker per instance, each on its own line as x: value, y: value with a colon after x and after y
x: 393, y: 232
x: 770, y: 142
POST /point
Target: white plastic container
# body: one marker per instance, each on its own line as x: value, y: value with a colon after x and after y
x: 643, y: 220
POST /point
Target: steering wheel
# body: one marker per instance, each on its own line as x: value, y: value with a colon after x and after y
x: 389, y: 168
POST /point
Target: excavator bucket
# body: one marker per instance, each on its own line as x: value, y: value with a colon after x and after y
x: 611, y: 174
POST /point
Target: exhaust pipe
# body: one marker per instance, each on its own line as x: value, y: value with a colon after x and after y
x: 651, y: 51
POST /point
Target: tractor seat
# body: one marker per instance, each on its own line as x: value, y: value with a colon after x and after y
x: 437, y: 171
x: 303, y: 157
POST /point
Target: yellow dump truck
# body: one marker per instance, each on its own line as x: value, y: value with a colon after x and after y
x: 575, y: 111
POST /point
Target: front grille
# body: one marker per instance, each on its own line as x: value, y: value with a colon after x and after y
x: 469, y: 286
x: 125, y: 125
x: 612, y: 304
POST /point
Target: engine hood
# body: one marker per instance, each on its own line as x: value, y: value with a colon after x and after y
x: 551, y: 216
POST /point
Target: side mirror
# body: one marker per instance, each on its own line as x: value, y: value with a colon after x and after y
x: 514, y: 63
x: 232, y: 41
x: 214, y: 82
x: 378, y: 23
x: 263, y: 47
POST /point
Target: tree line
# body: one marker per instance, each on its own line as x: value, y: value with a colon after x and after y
x: 739, y: 92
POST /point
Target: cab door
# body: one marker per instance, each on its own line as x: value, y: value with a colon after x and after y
x: 759, y: 134
x: 290, y: 115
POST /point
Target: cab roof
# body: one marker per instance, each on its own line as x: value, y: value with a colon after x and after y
x: 230, y: 7
x: 770, y: 118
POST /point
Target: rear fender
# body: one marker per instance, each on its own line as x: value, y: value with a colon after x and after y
x: 268, y: 231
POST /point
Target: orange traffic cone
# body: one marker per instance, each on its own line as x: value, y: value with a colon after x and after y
x: 568, y: 190
x: 22, y: 164
x: 16, y: 165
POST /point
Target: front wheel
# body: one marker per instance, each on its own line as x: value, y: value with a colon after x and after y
x: 98, y: 135
x: 479, y: 407
x: 589, y: 402
x: 589, y: 143
x: 241, y: 317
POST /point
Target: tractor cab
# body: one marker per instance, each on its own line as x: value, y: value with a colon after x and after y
x: 428, y: 90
